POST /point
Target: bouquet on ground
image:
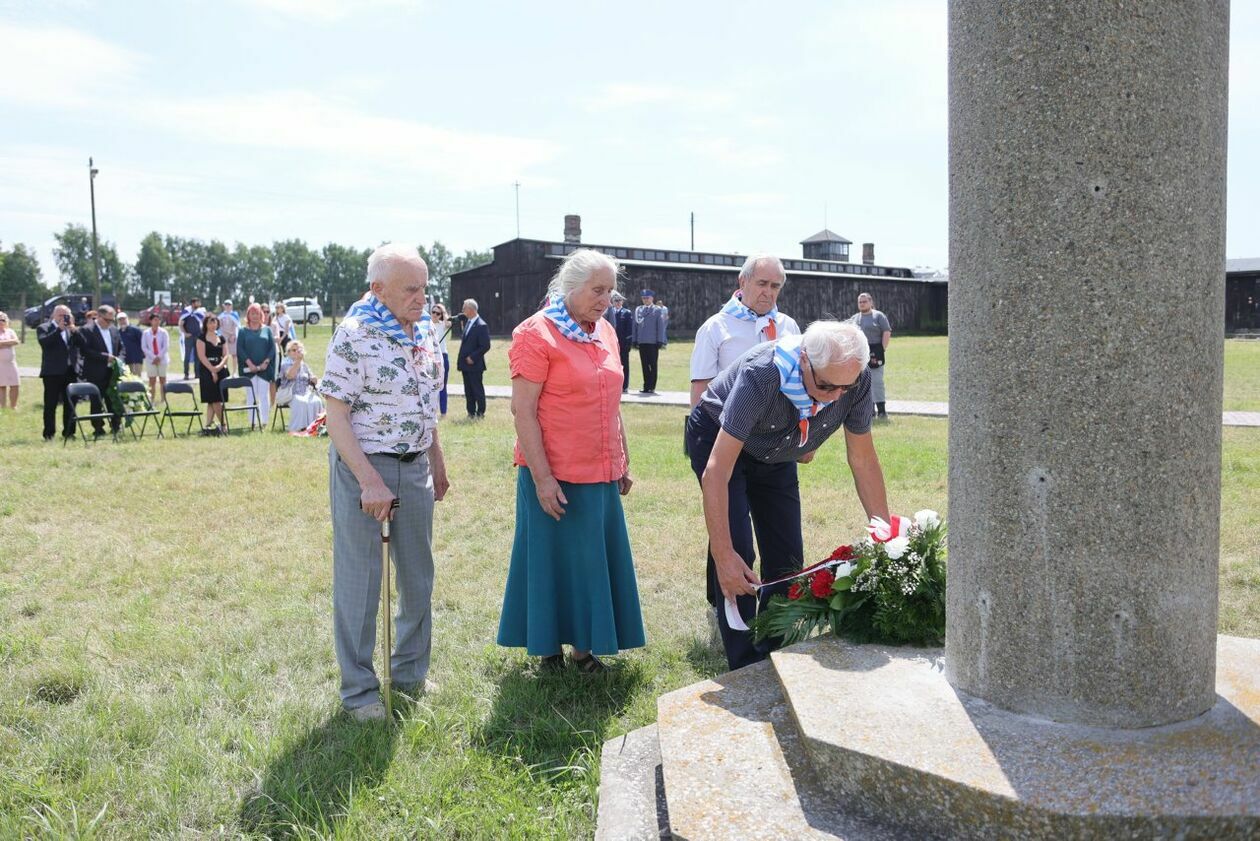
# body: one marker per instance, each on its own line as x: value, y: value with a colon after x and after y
x: 888, y: 587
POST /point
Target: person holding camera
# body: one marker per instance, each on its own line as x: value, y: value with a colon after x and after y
x: 99, y: 344
x: 874, y: 325
x: 59, y: 358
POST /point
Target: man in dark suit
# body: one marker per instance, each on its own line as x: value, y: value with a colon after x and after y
x: 472, y: 359
x: 623, y: 321
x: 99, y: 343
x: 58, y: 359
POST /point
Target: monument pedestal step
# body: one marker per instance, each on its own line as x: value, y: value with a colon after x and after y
x: 884, y: 729
x: 735, y: 767
x: 631, y: 789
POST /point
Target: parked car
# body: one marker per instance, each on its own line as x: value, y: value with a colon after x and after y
x: 303, y: 309
x: 78, y: 302
x: 169, y: 312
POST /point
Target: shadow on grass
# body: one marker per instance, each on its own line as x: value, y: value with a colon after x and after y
x: 307, y: 789
x: 555, y: 722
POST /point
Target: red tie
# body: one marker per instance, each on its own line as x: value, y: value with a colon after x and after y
x: 771, y: 332
x: 155, y: 350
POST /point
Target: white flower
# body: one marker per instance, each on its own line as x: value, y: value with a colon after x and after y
x: 843, y: 568
x: 927, y: 519
x: 897, y: 547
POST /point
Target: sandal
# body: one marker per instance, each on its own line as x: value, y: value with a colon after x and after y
x: 552, y: 663
x: 590, y: 664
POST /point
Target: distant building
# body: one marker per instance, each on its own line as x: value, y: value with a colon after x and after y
x: 694, y: 284
x: 1242, y: 295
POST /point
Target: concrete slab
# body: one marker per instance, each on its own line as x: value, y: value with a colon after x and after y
x: 735, y: 767
x: 892, y: 734
x: 632, y: 789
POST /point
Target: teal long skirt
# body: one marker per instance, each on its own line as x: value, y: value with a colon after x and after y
x: 571, y: 581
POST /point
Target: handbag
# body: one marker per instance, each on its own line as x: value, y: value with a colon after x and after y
x: 284, y: 393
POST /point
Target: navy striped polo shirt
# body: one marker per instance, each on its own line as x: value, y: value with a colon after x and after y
x: 745, y: 401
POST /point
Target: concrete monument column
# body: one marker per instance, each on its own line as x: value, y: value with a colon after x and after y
x: 1087, y: 242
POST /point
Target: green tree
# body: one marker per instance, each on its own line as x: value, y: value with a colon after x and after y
x: 443, y: 264
x: 217, y: 271
x: 154, y: 266
x: 298, y: 269
x: 73, y: 254
x: 20, y: 275
x: 253, y: 273
x: 345, y: 276
x: 188, y: 274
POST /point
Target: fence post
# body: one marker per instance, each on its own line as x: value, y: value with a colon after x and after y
x: 22, y: 318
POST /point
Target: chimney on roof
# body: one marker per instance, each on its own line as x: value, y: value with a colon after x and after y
x: 868, y: 253
x: 572, y: 228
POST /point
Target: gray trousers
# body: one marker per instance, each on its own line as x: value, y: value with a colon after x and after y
x: 877, y: 384
x: 357, y: 575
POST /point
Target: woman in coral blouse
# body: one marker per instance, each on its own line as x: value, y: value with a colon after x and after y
x: 571, y: 580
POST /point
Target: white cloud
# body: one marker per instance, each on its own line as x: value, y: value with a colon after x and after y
x: 326, y: 11
x: 303, y: 121
x: 623, y: 95
x: 58, y: 67
x: 730, y: 152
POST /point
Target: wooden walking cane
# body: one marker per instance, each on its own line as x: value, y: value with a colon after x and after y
x: 387, y: 645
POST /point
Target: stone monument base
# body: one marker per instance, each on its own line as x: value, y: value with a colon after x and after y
x: 890, y: 737
x: 831, y: 740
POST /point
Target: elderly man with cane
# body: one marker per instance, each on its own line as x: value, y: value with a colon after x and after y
x: 381, y: 383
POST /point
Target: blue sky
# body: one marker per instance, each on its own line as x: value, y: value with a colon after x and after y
x: 358, y: 122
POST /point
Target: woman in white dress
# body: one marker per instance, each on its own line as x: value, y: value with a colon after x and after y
x: 306, y: 404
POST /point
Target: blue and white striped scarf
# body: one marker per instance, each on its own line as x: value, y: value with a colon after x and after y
x: 371, y: 312
x: 787, y: 358
x: 736, y: 307
x: 558, y: 314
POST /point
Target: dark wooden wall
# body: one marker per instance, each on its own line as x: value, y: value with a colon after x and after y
x: 510, y: 289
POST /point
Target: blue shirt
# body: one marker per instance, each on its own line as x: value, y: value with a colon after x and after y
x: 746, y: 402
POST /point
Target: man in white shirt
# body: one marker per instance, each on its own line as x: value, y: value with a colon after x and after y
x: 749, y: 318
x: 155, y: 343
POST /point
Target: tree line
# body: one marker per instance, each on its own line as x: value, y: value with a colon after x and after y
x: 211, y: 270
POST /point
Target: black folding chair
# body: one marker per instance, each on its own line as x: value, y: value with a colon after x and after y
x: 225, y: 388
x: 129, y: 416
x: 277, y: 414
x: 86, y: 391
x: 193, y: 414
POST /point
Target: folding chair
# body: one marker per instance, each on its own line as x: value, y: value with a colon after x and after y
x: 129, y: 416
x: 192, y: 414
x: 277, y: 414
x: 225, y: 389
x: 82, y: 391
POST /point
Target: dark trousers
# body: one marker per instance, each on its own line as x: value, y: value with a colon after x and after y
x: 190, y: 357
x: 625, y: 366
x: 474, y: 393
x: 647, y: 358
x: 98, y: 406
x: 446, y: 378
x: 55, y: 392
x: 762, y: 499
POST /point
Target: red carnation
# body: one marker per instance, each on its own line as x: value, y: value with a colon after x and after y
x: 842, y: 553
x: 795, y: 592
x: 820, y: 583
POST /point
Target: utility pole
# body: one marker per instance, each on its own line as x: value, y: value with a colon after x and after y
x: 517, y: 185
x: 693, y: 230
x: 96, y: 256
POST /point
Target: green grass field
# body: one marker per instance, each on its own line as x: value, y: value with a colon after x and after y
x: 918, y: 366
x: 166, y: 659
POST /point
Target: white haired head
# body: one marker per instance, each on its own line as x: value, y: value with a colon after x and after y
x: 750, y: 265
x: 577, y: 268
x: 834, y: 343
x: 390, y: 256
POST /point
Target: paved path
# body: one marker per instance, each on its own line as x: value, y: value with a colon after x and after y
x: 682, y: 398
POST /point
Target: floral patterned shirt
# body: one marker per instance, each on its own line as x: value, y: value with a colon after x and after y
x: 391, y: 389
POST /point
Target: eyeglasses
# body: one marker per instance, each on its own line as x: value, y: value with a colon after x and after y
x: 826, y: 386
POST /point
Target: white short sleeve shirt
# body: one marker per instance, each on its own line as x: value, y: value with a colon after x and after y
x: 723, y: 338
